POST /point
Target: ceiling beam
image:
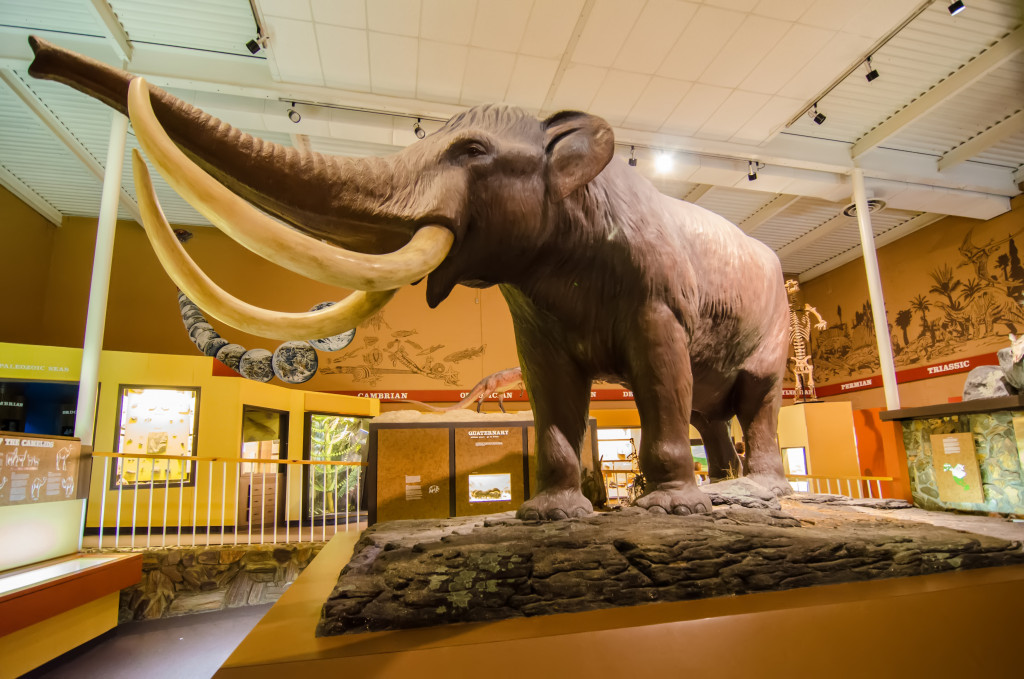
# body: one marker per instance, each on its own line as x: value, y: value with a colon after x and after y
x: 774, y: 207
x: 567, y: 53
x: 58, y: 129
x: 29, y: 197
x: 905, y: 229
x: 697, y: 192
x: 814, y: 235
x: 978, y: 67
x: 1007, y: 127
x: 115, y: 31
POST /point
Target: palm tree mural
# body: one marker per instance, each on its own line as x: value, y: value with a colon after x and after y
x: 1003, y: 262
x: 903, y: 318
x: 921, y: 305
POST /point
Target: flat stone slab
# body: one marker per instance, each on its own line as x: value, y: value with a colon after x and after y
x: 406, y: 574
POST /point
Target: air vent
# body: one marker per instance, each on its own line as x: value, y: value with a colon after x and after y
x: 874, y: 205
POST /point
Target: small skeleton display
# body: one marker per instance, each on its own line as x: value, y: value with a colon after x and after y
x: 800, y: 335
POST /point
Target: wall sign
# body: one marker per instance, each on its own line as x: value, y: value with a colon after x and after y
x: 956, y: 468
x: 35, y: 469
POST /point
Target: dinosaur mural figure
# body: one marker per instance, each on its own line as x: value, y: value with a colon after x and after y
x: 605, y: 277
x: 495, y: 383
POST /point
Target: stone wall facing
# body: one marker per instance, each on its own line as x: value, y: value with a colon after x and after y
x: 184, y: 580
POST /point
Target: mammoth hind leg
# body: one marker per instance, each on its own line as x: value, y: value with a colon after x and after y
x: 723, y: 462
x: 757, y: 407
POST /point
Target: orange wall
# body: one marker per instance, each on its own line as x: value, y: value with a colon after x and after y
x: 28, y: 247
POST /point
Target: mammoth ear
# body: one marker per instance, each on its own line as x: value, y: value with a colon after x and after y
x: 578, y: 147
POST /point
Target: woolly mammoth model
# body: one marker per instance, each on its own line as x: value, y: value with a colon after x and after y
x: 604, y: 276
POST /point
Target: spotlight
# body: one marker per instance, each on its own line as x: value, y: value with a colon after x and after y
x: 872, y: 72
x: 751, y: 170
x: 632, y: 156
x: 956, y: 7
x: 664, y: 163
x: 418, y: 130
x: 817, y: 117
x: 294, y: 115
x: 256, y: 44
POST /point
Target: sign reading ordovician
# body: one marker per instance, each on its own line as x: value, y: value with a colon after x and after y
x: 36, y: 469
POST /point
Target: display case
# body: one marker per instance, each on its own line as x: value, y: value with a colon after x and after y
x: 159, y: 422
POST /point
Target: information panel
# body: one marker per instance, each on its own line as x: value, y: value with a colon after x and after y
x: 36, y: 469
x: 956, y: 468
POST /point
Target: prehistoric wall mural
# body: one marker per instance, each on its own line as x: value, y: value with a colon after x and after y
x: 379, y: 350
x: 954, y: 289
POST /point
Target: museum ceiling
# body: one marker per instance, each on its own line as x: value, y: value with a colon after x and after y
x: 721, y: 88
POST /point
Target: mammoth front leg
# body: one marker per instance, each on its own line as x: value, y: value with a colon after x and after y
x: 663, y: 388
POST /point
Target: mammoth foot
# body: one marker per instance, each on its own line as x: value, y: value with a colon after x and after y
x: 773, y: 482
x: 555, y: 505
x: 681, y: 501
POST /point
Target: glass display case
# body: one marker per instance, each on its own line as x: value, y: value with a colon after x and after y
x: 331, y: 489
x: 155, y: 425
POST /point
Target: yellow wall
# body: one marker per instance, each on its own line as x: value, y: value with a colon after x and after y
x: 28, y: 240
x: 221, y: 400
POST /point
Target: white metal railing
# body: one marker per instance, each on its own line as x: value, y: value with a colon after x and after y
x: 620, y: 474
x: 851, y: 486
x: 213, y: 500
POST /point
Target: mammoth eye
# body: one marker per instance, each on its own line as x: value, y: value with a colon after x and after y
x: 473, y: 149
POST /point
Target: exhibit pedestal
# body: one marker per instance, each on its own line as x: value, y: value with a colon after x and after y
x: 849, y: 630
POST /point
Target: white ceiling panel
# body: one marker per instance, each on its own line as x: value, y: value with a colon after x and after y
x: 752, y: 41
x: 487, y: 76
x: 698, y: 104
x: 579, y: 86
x: 605, y: 31
x: 294, y: 50
x: 550, y: 27
x: 618, y: 94
x: 798, y: 46
x: 347, y: 13
x: 59, y: 16
x: 344, y: 57
x: 500, y: 24
x: 656, y: 102
x: 735, y: 112
x: 653, y: 35
x: 701, y: 41
x: 441, y: 68
x: 448, y: 21
x: 531, y: 79
x: 400, y: 17
x: 393, y: 64
x: 710, y: 82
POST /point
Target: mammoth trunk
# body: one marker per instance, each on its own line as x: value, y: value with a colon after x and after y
x: 335, y: 199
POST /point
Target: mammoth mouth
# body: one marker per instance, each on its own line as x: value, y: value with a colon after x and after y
x: 374, y: 277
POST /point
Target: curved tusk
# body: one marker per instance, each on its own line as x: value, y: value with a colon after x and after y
x: 341, y: 317
x: 271, y: 239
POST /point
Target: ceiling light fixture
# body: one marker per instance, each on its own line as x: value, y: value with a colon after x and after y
x: 956, y: 7
x: 817, y: 117
x: 294, y: 115
x: 664, y: 162
x: 418, y: 130
x: 752, y: 168
x: 632, y: 156
x: 253, y: 46
x: 872, y: 72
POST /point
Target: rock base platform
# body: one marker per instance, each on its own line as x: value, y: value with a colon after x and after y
x: 407, y: 574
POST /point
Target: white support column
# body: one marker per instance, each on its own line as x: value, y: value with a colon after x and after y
x: 867, y: 239
x: 96, y: 317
